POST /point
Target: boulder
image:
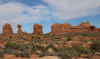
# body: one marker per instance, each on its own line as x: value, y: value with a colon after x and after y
x: 7, y: 29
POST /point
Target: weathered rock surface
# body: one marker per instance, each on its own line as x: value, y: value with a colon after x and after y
x: 19, y: 29
x: 98, y: 29
x: 38, y: 29
x: 67, y: 28
x: 7, y: 29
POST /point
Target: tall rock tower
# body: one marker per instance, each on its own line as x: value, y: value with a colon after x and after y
x: 38, y: 29
x: 7, y: 29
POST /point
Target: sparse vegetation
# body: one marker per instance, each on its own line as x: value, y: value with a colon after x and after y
x: 1, y: 53
x: 67, y: 45
x: 95, y: 46
x: 11, y: 46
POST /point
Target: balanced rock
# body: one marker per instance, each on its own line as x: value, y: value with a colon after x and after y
x: 7, y: 29
x: 19, y: 29
x: 38, y: 29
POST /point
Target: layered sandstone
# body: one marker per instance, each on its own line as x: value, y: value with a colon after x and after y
x: 7, y: 29
x: 67, y: 28
x: 38, y: 29
x: 19, y: 29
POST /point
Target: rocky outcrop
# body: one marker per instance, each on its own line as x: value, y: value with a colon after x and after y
x: 98, y: 29
x: 19, y: 29
x: 38, y: 29
x: 7, y: 29
x: 67, y: 28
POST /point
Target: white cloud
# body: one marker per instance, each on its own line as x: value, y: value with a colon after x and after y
x: 17, y: 13
x: 70, y: 9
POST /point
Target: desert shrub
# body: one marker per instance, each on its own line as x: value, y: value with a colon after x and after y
x: 49, y: 52
x: 92, y: 39
x: 80, y: 49
x: 85, y: 56
x: 60, y: 54
x: 22, y: 47
x: 41, y: 54
x: 84, y: 35
x: 95, y: 46
x: 10, y: 37
x: 11, y: 46
x: 1, y: 53
x: 37, y: 47
x: 69, y: 48
x: 33, y: 50
x: 10, y: 51
x: 66, y: 56
x: 0, y: 47
x: 17, y: 54
x: 32, y: 36
x: 51, y: 46
x: 69, y: 39
x: 73, y: 53
x: 38, y: 37
x: 25, y: 54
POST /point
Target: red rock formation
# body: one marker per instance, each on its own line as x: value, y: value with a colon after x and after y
x: 7, y: 29
x: 98, y: 29
x: 67, y: 28
x: 19, y: 29
x: 38, y: 29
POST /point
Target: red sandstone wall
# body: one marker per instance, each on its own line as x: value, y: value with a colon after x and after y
x: 67, y: 28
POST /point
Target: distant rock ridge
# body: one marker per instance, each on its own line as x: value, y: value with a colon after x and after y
x: 38, y: 29
x: 55, y: 28
x: 67, y: 28
x: 7, y: 29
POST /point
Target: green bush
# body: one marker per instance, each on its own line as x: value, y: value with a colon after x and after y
x: 10, y: 51
x: 33, y: 50
x: 69, y: 39
x: 17, y: 53
x: 41, y: 54
x: 51, y: 46
x: 22, y: 47
x: 38, y: 37
x: 80, y: 49
x: 37, y: 47
x: 1, y: 53
x: 92, y: 39
x: 85, y: 56
x: 32, y: 36
x: 69, y: 48
x: 95, y: 46
x: 25, y: 54
x: 11, y: 46
x: 10, y: 37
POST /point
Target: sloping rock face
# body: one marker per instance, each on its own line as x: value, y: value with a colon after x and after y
x: 19, y: 29
x: 38, y: 29
x: 67, y: 28
x: 7, y: 29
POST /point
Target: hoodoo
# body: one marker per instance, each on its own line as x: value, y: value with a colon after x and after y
x: 38, y: 29
x: 19, y: 29
x: 7, y: 29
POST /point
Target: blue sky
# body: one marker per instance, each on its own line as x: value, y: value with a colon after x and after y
x: 48, y: 12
